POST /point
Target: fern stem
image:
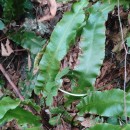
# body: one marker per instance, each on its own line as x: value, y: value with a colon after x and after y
x: 72, y: 94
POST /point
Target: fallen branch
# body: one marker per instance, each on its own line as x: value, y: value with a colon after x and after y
x: 13, y: 86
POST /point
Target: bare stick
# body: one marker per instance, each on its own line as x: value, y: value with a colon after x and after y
x: 13, y: 86
x: 125, y: 62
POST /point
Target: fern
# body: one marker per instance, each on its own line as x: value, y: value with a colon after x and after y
x: 92, y: 44
x: 61, y: 40
x: 107, y: 103
x: 7, y: 104
x: 28, y: 40
x: 10, y: 109
x: 22, y: 116
x: 89, y: 25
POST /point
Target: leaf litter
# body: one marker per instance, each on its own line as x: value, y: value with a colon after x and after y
x: 113, y: 67
x: 112, y: 73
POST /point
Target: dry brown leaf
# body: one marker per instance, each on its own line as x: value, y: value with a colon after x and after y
x: 53, y: 8
x: 87, y: 123
x: 29, y: 62
x: 6, y: 50
x: 9, y: 49
x: 3, y: 50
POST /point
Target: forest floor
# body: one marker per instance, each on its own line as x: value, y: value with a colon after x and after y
x: 16, y: 63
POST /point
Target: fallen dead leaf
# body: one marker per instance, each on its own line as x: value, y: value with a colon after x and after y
x: 6, y: 50
x: 3, y: 50
x: 53, y: 8
x: 87, y: 123
x: 9, y: 49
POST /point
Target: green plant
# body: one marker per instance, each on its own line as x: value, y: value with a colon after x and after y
x: 91, y: 43
x: 85, y: 21
x: 10, y: 109
x: 13, y: 9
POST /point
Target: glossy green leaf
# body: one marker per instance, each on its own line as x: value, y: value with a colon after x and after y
x: 32, y: 104
x: 109, y: 127
x: 128, y: 42
x: 57, y: 110
x: 107, y: 103
x: 28, y: 40
x: 61, y: 40
x: 55, y: 120
x: 22, y: 116
x: 7, y: 104
x: 92, y: 44
x: 2, y: 26
x: 113, y: 120
x: 62, y: 73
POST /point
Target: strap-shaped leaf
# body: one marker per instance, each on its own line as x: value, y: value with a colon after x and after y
x: 107, y: 103
x: 7, y: 104
x: 109, y: 127
x: 93, y: 46
x: 60, y: 41
x: 2, y: 26
x: 22, y: 116
x: 28, y: 40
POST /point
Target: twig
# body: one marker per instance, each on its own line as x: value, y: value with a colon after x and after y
x: 125, y: 62
x: 13, y: 86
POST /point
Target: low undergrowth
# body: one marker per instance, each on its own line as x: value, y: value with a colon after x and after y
x: 63, y: 80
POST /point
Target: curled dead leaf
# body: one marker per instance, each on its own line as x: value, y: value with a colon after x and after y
x: 53, y: 7
x: 6, y: 50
